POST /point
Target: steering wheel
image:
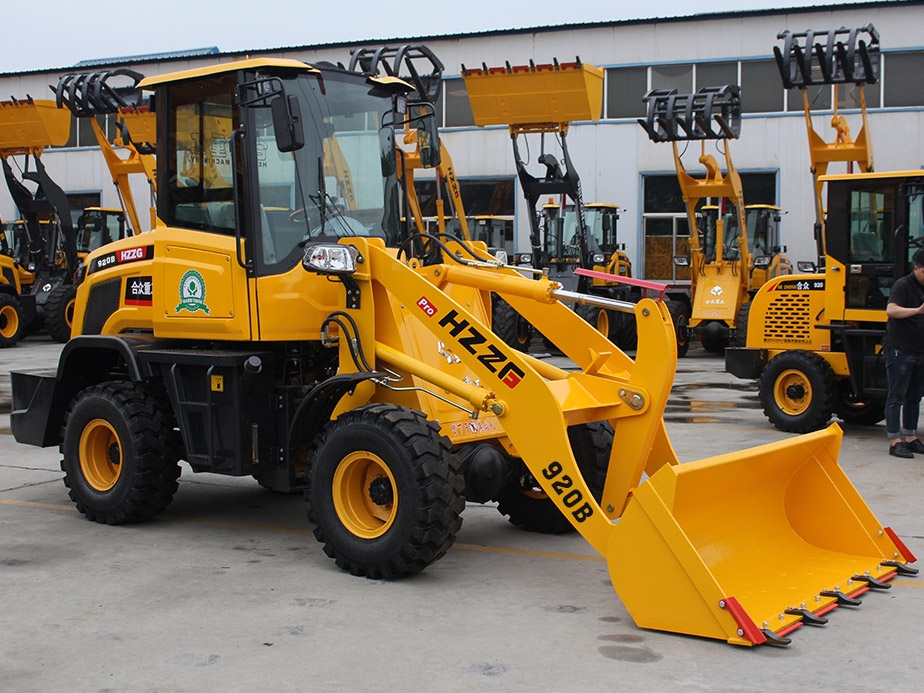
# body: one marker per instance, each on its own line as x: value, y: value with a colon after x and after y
x: 304, y: 213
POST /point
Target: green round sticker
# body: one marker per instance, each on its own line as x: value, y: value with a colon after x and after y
x: 192, y: 293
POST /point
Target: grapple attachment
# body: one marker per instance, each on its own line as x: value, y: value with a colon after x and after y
x: 402, y: 62
x: 712, y: 113
x: 839, y: 56
x: 535, y: 94
x: 749, y: 546
x: 92, y: 94
x: 28, y: 126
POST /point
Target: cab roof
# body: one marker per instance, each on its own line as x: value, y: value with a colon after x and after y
x: 250, y: 64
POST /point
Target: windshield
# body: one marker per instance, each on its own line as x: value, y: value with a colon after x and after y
x: 334, y: 186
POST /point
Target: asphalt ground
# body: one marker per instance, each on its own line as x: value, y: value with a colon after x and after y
x: 228, y: 590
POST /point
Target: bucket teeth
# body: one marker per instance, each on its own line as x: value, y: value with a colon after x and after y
x: 774, y: 639
x: 842, y: 599
x: 808, y: 618
x: 873, y: 583
x: 901, y: 568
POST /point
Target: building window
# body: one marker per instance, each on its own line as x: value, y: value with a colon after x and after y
x: 716, y: 74
x: 902, y: 81
x: 458, y: 107
x: 848, y: 96
x: 761, y: 87
x: 679, y: 77
x: 625, y: 87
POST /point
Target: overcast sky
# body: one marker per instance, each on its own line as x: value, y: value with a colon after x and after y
x: 59, y: 33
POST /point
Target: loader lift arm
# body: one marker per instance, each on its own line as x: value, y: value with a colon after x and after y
x: 89, y: 95
x: 831, y: 58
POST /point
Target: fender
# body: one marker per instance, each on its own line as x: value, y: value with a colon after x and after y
x: 41, y: 398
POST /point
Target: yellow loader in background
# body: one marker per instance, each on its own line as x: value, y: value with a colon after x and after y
x: 543, y: 100
x: 328, y: 349
x: 814, y: 340
x: 725, y: 267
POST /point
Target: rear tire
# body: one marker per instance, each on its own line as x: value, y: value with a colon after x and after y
x: 740, y: 338
x: 120, y: 454
x: 385, y: 492
x: 59, y: 312
x: 797, y: 391
x: 849, y: 409
x: 528, y: 507
x: 680, y: 316
x: 11, y: 324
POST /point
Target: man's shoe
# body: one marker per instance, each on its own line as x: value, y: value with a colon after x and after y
x: 900, y: 450
x: 915, y: 446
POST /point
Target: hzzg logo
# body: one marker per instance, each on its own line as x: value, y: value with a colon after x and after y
x: 474, y: 342
x: 192, y: 293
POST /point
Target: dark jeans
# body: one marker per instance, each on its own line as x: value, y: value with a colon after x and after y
x: 905, y: 374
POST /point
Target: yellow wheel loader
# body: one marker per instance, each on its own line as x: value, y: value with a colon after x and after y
x: 814, y: 341
x: 542, y: 100
x: 725, y: 266
x: 47, y: 257
x: 262, y: 328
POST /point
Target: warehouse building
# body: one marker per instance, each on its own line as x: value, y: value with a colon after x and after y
x: 614, y: 156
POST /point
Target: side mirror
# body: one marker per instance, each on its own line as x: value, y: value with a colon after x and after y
x: 428, y: 140
x: 287, y: 123
x: 387, y: 151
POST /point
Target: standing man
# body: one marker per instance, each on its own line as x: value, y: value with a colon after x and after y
x: 904, y: 359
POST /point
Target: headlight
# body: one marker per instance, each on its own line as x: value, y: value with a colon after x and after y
x: 525, y: 259
x: 598, y: 258
x: 331, y: 259
x: 806, y: 267
x: 762, y: 261
x: 501, y: 256
x: 682, y: 260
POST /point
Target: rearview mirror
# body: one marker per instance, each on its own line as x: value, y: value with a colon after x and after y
x: 287, y: 123
x: 428, y: 140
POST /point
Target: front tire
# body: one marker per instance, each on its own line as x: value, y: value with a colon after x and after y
x: 680, y: 316
x: 596, y: 316
x: 528, y: 507
x: 385, y: 492
x: 11, y: 324
x: 59, y: 312
x: 510, y: 326
x: 797, y: 391
x: 120, y: 454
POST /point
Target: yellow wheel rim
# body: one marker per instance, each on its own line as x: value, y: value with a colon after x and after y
x: 69, y: 312
x: 603, y: 323
x: 100, y: 455
x: 792, y: 392
x: 9, y: 321
x: 365, y: 495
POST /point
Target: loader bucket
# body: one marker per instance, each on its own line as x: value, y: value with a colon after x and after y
x: 535, y: 94
x: 29, y: 125
x: 748, y: 546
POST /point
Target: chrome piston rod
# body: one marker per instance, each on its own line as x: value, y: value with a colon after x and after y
x: 589, y: 300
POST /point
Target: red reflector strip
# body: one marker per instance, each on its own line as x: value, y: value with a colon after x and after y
x: 826, y: 609
x: 857, y: 592
x: 631, y: 281
x: 900, y: 545
x: 746, y: 626
x: 789, y: 629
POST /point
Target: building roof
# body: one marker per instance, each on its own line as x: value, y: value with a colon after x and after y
x: 706, y: 16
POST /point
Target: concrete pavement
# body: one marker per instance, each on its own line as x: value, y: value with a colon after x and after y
x: 228, y: 590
